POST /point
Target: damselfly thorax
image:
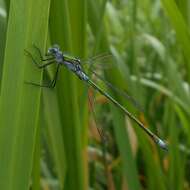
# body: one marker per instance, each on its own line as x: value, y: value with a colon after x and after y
x: 72, y: 64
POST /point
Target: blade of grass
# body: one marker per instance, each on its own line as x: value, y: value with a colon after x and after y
x: 177, y: 161
x: 36, y: 170
x: 67, y: 24
x: 54, y: 134
x: 7, y: 3
x: 152, y: 171
x: 3, y: 26
x: 123, y: 143
x: 19, y: 103
x: 180, y: 27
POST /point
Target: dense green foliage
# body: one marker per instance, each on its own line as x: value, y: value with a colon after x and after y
x: 49, y: 137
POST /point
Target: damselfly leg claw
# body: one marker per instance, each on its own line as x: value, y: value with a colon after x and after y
x: 50, y: 85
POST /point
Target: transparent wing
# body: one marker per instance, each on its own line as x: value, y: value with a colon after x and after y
x: 118, y: 91
x: 100, y: 131
x: 100, y: 61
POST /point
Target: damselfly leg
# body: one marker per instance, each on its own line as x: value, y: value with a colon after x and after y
x: 50, y: 60
x: 51, y: 83
x: 46, y: 62
x: 41, y: 55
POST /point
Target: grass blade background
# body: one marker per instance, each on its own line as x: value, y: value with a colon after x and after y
x: 18, y: 124
x: 180, y: 26
x: 3, y: 26
x: 53, y: 133
x: 67, y: 28
x: 150, y: 61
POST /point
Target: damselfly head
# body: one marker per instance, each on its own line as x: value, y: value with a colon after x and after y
x: 53, y: 50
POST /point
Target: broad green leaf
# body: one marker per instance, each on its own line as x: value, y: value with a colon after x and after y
x: 19, y: 103
x: 67, y: 28
x: 3, y: 26
x: 54, y: 133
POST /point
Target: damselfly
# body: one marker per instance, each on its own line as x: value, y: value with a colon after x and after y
x: 55, y: 55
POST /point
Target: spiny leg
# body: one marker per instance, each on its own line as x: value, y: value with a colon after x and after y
x: 51, y: 84
x: 40, y: 54
x: 55, y: 76
x: 51, y: 60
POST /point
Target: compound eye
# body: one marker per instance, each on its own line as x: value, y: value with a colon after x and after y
x: 53, y: 50
x: 50, y: 50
